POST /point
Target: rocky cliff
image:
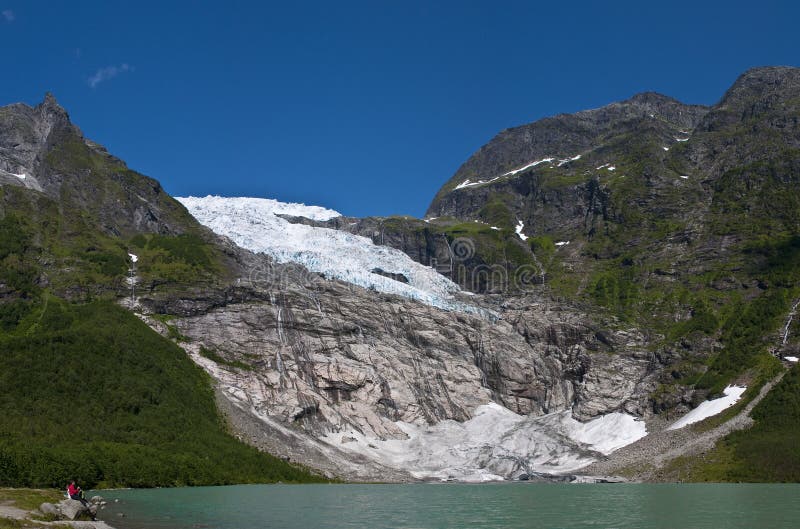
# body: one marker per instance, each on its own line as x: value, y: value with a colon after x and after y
x: 307, y: 357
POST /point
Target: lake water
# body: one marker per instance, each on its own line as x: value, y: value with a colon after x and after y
x: 440, y: 506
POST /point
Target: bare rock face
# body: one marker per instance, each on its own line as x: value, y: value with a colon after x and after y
x: 305, y: 361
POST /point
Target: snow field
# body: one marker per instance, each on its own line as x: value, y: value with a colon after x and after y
x: 710, y: 407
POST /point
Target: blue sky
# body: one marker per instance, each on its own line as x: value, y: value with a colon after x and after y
x: 365, y: 107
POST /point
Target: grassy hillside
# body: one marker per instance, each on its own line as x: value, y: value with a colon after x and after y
x: 90, y: 391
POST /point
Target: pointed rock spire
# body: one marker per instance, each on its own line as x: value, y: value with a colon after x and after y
x: 50, y: 107
x: 53, y: 115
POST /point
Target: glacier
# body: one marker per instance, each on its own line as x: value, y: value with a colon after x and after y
x: 496, y: 444
x: 255, y: 224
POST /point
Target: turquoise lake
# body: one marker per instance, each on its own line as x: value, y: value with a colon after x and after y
x: 490, y: 506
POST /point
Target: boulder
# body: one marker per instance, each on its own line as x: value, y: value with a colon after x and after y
x: 72, y: 509
x: 49, y: 509
x: 96, y: 499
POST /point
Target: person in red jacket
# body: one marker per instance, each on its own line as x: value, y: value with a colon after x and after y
x: 75, y: 493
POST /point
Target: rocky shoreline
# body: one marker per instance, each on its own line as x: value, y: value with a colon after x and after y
x: 65, y: 513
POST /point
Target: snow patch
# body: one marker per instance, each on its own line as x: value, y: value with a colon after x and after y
x: 497, y: 444
x: 254, y: 224
x: 790, y: 358
x: 710, y: 407
x: 519, y: 229
x: 562, y: 243
x: 134, y: 257
x: 468, y: 183
x: 665, y: 148
x: 21, y: 176
x: 681, y: 139
x: 567, y: 160
x: 532, y: 164
x: 495, y: 228
x: 684, y: 177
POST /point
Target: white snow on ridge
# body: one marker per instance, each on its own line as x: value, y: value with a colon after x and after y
x: 252, y: 223
x: 468, y: 183
x: 790, y: 358
x: 567, y: 160
x: 562, y: 243
x: 532, y: 164
x: 497, y: 444
x: 710, y: 407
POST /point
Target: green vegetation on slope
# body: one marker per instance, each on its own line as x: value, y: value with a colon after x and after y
x: 184, y: 258
x: 81, y: 262
x: 482, y: 258
x: 91, y: 392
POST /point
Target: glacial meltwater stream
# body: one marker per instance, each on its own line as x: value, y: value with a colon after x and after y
x: 429, y: 506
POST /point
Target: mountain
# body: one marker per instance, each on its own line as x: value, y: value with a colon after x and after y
x: 661, y: 212
x: 89, y: 391
x: 599, y: 275
x: 563, y: 141
x: 649, y: 165
x: 41, y: 149
x: 680, y: 220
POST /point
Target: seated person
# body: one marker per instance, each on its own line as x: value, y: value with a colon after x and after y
x: 75, y: 493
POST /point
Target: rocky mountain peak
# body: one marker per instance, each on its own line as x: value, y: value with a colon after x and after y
x: 49, y: 103
x: 764, y: 84
x: 768, y: 94
x: 42, y: 150
x: 655, y: 104
x: 53, y: 118
x: 562, y: 137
